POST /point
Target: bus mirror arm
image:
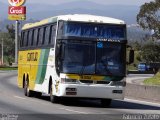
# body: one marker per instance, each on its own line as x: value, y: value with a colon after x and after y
x: 131, y: 56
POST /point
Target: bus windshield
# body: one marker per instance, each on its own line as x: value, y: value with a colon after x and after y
x: 110, y: 59
x: 79, y: 58
x: 106, y: 31
x: 82, y: 58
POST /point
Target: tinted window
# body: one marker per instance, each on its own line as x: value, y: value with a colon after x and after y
x: 95, y: 30
x: 35, y: 38
x: 26, y: 34
x: 41, y: 33
x: 22, y: 39
x: 53, y: 34
x: 110, y: 59
x: 30, y: 37
x: 47, y: 35
x: 43, y: 36
x: 39, y: 37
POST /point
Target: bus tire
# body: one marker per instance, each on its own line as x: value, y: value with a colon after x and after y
x: 27, y: 91
x: 106, y: 102
x: 53, y: 98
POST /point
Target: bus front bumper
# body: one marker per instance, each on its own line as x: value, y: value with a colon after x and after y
x: 91, y: 91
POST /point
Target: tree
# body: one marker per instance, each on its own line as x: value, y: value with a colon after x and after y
x: 11, y: 31
x: 150, y: 52
x: 137, y: 46
x: 149, y: 17
x: 9, y: 44
x: 10, y: 41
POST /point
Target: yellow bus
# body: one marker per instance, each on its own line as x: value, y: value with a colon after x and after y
x: 80, y: 56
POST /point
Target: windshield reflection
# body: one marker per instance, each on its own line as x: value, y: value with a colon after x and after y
x: 110, y: 59
x: 79, y: 58
x: 94, y: 30
x: 82, y: 58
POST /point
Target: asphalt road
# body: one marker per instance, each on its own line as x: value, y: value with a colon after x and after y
x: 138, y: 78
x: 13, y: 104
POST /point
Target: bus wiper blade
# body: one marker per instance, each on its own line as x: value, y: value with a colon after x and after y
x: 82, y: 70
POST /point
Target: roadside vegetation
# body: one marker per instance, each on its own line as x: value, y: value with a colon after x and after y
x: 147, y: 49
x: 147, y: 52
x: 154, y: 80
x: 8, y: 42
x: 6, y: 68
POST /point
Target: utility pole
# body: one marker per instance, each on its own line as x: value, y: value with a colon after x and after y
x: 2, y: 51
x: 16, y: 41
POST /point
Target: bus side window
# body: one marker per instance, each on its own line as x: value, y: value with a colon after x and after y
x: 47, y: 35
x: 43, y: 36
x: 38, y: 36
x: 40, y: 40
x: 53, y: 34
x: 26, y: 38
x: 22, y: 39
x: 35, y: 37
x: 30, y: 38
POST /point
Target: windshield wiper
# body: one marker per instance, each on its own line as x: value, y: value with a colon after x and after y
x: 82, y: 69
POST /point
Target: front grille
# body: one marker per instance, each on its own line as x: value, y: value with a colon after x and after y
x: 103, y: 82
x: 94, y: 82
x: 87, y: 81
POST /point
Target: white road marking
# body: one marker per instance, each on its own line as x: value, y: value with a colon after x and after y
x: 74, y: 111
x: 20, y: 97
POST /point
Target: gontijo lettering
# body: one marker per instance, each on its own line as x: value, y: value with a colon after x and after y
x: 33, y: 56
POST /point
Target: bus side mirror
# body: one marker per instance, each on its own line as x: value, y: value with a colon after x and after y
x: 131, y: 56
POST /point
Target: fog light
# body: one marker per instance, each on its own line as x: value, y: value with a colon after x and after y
x: 71, y: 93
x: 117, y: 91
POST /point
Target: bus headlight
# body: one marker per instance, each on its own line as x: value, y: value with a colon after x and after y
x: 69, y: 81
x: 118, y: 83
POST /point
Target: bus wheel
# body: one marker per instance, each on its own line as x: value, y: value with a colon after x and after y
x: 106, y: 102
x: 53, y: 98
x: 27, y: 92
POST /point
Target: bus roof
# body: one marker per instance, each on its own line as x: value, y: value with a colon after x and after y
x: 75, y: 17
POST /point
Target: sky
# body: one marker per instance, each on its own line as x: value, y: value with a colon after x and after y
x: 122, y: 2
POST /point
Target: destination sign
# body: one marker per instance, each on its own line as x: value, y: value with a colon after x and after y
x: 108, y: 40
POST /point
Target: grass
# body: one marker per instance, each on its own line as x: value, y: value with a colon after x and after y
x: 7, y: 68
x: 154, y: 80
